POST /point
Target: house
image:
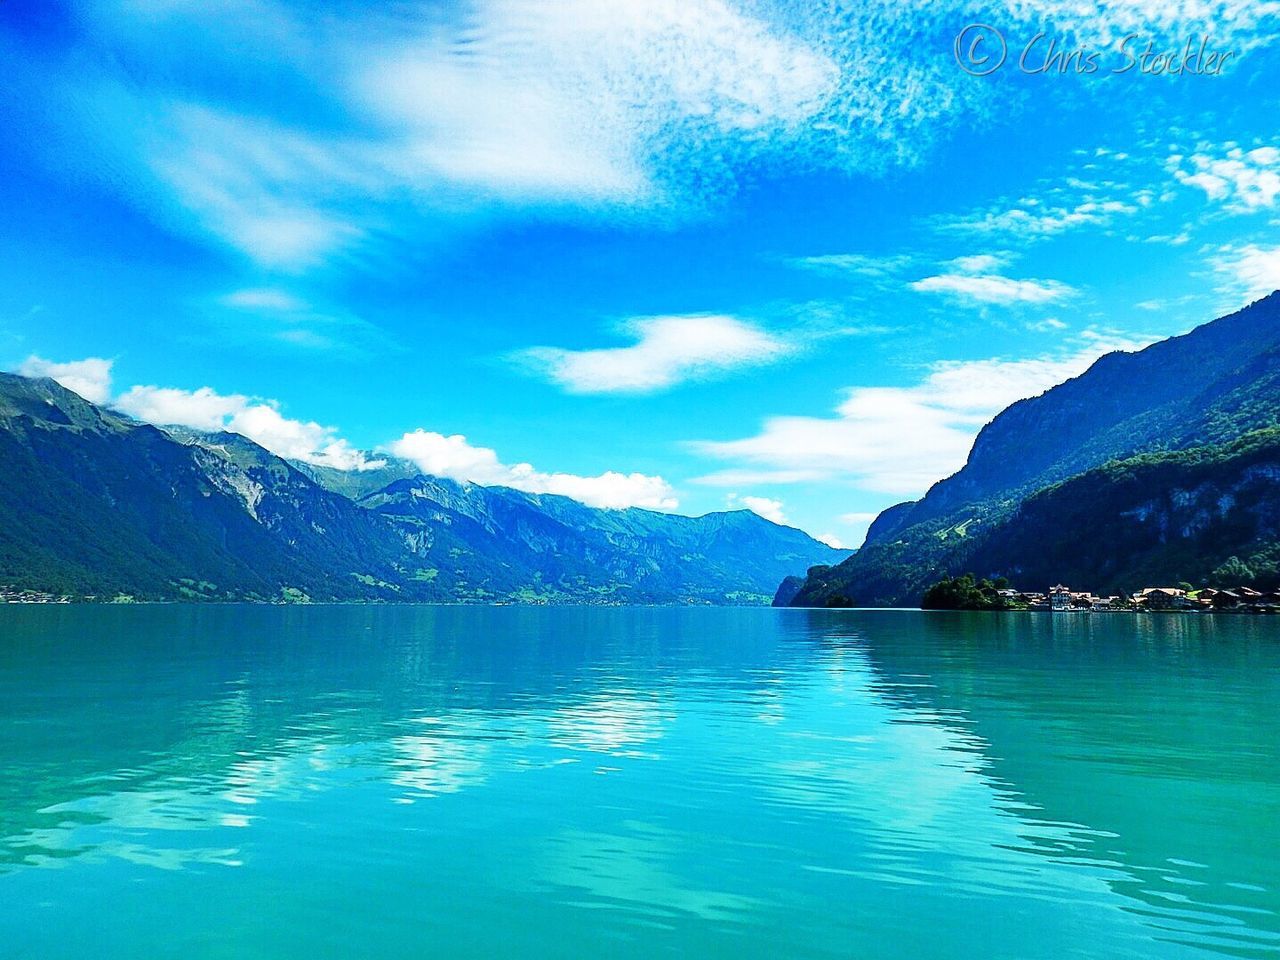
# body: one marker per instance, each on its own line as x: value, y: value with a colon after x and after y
x: 1164, y: 598
x: 1227, y: 599
x: 1060, y: 597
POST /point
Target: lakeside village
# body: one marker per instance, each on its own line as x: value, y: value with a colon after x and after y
x: 1156, y: 599
x: 967, y: 593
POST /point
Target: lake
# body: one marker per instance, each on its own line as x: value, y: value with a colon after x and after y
x: 409, y: 782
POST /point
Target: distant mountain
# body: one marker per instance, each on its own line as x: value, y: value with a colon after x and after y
x: 355, y: 484
x: 1193, y: 397
x: 92, y: 503
x: 540, y: 546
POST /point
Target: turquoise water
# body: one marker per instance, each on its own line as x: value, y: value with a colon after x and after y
x: 389, y: 782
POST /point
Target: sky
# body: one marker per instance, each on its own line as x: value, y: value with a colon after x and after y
x: 689, y: 255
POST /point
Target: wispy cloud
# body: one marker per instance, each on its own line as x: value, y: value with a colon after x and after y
x: 900, y: 440
x: 274, y: 316
x: 1250, y: 271
x: 453, y: 457
x: 1031, y: 219
x: 993, y: 289
x: 668, y: 351
x: 432, y: 112
x: 1047, y: 325
x: 860, y: 264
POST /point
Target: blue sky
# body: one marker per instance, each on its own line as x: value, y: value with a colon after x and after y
x: 687, y: 254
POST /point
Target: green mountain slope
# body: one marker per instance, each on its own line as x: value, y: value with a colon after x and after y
x: 550, y: 547
x: 95, y: 504
x: 1152, y: 519
x: 1206, y: 515
x: 92, y: 503
x: 1204, y: 389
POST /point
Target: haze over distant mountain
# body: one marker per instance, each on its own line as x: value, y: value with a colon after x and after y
x: 92, y: 503
x: 1154, y: 466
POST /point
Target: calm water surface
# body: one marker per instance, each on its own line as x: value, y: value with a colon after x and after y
x: 249, y: 782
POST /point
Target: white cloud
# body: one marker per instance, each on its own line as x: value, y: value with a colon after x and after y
x: 979, y: 263
x: 992, y: 288
x: 1245, y: 180
x: 205, y: 409
x: 202, y: 409
x: 831, y: 540
x: 668, y: 351
x: 900, y: 440
x: 454, y: 457
x: 1047, y: 324
x: 855, y: 263
x: 1251, y: 270
x: 90, y: 377
x: 761, y: 506
x: 464, y: 108
x: 576, y: 98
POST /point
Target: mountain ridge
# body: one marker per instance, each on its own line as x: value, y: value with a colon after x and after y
x: 1204, y: 389
x: 93, y: 503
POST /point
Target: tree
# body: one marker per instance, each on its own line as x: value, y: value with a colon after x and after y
x: 1232, y: 572
x: 965, y: 592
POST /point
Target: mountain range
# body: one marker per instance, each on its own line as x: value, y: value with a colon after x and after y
x: 1152, y: 467
x: 93, y: 504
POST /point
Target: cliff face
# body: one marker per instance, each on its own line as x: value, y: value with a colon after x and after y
x: 1150, y: 520
x: 1204, y: 389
